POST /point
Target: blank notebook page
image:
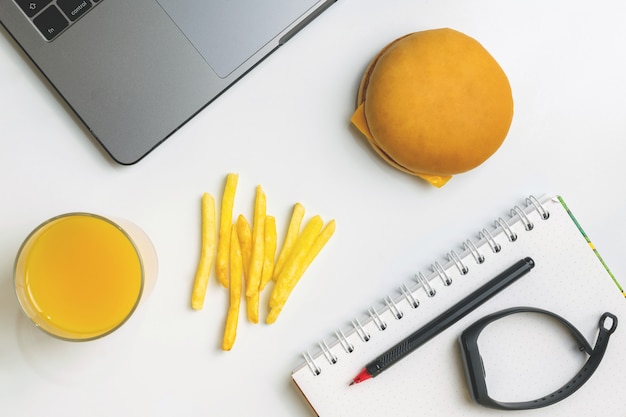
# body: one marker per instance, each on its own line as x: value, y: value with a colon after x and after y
x: 569, y: 279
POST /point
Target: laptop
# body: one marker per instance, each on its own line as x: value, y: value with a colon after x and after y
x: 134, y: 71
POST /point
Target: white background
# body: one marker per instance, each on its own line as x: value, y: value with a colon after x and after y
x: 286, y: 126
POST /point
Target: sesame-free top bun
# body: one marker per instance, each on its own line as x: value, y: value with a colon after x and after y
x: 434, y: 103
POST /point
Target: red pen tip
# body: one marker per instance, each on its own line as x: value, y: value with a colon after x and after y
x: 362, y: 376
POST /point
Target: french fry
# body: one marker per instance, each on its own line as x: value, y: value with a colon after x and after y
x: 207, y: 250
x: 244, y: 233
x: 226, y: 221
x: 258, y: 227
x: 319, y: 242
x: 236, y: 277
x: 269, y: 251
x: 292, y: 234
x: 306, y: 248
x: 247, y: 258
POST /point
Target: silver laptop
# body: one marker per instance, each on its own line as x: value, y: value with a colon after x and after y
x: 134, y: 71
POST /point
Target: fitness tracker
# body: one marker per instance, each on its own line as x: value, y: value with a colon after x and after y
x: 475, y: 372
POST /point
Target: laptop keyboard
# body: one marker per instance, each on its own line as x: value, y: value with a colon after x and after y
x: 52, y: 17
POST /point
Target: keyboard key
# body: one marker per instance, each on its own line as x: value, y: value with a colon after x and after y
x: 74, y: 8
x: 32, y: 7
x: 50, y: 22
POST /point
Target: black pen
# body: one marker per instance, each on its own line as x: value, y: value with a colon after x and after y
x: 445, y: 320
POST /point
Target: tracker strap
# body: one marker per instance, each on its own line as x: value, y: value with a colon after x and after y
x: 476, y: 374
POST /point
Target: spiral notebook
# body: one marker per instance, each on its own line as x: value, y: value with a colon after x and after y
x: 570, y: 279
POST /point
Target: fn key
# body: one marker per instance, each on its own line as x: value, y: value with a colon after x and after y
x: 50, y: 22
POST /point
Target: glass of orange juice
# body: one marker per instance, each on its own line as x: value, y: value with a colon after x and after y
x: 80, y: 276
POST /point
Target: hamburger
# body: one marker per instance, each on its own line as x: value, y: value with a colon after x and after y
x: 434, y: 104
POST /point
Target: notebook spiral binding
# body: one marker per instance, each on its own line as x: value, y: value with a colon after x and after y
x: 423, y: 283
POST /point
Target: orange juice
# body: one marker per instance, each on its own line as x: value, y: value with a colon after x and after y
x: 79, y: 276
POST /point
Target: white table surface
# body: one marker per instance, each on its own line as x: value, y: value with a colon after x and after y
x: 286, y: 126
